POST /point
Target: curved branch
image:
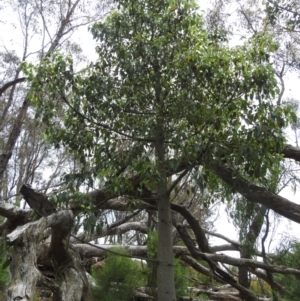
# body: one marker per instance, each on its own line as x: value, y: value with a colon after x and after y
x: 291, y: 152
x: 254, y: 264
x: 136, y: 226
x: 194, y: 223
x: 199, y: 267
x: 14, y: 215
x: 257, y: 194
x: 237, y: 246
x: 123, y: 228
x: 11, y: 83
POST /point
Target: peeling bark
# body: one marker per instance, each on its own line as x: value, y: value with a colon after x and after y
x: 15, y: 217
x: 24, y: 271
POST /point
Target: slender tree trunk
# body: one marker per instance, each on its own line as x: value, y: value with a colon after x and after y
x: 9, y: 102
x: 13, y: 136
x: 165, y: 269
x: 252, y: 235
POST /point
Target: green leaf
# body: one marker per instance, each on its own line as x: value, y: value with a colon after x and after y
x: 6, y: 263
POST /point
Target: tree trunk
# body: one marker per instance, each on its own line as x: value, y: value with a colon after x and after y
x: 14, y: 135
x: 251, y: 237
x: 69, y: 281
x: 165, y: 269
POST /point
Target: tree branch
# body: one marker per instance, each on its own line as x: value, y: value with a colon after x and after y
x: 257, y: 194
x: 291, y: 152
x: 11, y: 83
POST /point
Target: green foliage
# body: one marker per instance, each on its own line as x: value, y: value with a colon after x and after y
x: 151, y: 270
x: 180, y: 277
x: 284, y: 12
x: 152, y: 244
x: 117, y: 279
x: 260, y: 287
x: 289, y: 256
x: 4, y: 281
x: 157, y: 56
x: 203, y: 297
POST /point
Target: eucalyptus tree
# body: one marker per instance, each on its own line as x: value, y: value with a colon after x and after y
x: 165, y: 96
x: 39, y: 28
x: 29, y: 31
x: 278, y: 18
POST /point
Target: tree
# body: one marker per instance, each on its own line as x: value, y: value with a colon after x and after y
x: 289, y: 12
x: 40, y: 28
x: 254, y: 17
x: 277, y: 18
x: 165, y: 97
x: 119, y: 172
x: 37, y: 42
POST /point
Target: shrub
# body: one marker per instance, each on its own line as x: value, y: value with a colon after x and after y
x: 180, y: 278
x: 117, y: 279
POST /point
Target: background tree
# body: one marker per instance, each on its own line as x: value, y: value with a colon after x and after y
x: 39, y: 28
x: 250, y: 18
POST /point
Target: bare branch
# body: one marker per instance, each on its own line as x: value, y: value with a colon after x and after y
x: 291, y: 152
x: 11, y: 83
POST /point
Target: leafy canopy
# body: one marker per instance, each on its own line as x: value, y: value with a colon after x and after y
x: 214, y: 99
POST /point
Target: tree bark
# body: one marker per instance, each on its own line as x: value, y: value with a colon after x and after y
x: 291, y: 152
x: 13, y: 136
x: 11, y: 83
x: 248, y: 249
x: 165, y: 268
x: 73, y: 285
